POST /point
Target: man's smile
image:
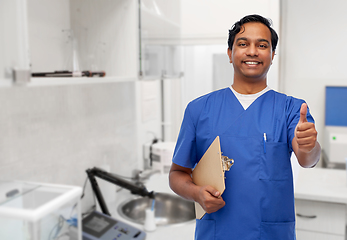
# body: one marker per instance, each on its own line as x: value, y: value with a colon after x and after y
x: 251, y: 62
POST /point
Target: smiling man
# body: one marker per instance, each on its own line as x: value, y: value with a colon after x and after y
x: 251, y: 55
x: 259, y: 128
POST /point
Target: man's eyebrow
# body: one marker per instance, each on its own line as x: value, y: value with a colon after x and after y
x: 263, y: 40
x: 241, y: 39
x: 246, y: 39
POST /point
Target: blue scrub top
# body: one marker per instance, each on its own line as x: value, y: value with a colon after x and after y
x: 259, y: 186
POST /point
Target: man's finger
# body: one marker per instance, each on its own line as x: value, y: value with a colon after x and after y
x: 303, y: 113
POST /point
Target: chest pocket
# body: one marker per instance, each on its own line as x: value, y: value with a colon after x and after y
x: 275, y: 162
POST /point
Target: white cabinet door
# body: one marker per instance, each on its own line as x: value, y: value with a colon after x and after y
x: 306, y: 235
x: 320, y: 216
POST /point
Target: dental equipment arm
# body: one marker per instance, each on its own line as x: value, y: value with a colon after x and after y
x: 97, y: 172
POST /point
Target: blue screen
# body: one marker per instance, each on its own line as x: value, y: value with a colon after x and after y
x: 336, y: 106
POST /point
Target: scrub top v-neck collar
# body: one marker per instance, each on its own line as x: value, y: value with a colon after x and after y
x: 242, y: 98
x: 229, y: 111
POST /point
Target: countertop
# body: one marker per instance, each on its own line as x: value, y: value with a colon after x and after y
x: 321, y: 184
x: 157, y: 183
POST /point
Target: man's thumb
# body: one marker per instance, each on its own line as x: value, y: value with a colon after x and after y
x: 303, y: 113
x: 212, y: 191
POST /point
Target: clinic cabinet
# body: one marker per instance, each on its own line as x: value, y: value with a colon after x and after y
x: 320, y: 204
x: 323, y: 220
x: 72, y: 35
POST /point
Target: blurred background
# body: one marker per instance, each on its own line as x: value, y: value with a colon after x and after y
x: 150, y: 58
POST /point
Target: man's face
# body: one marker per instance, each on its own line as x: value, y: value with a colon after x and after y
x: 252, y: 52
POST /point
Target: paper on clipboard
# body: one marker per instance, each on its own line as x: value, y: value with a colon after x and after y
x: 210, y: 171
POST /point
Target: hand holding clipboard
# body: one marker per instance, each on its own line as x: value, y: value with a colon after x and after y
x: 210, y: 171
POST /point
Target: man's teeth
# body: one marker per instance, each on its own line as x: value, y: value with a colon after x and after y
x: 252, y: 63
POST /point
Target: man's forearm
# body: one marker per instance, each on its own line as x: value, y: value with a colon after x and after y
x: 308, y: 159
x: 182, y: 184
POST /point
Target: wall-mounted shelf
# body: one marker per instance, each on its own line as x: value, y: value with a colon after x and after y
x: 36, y: 82
x: 60, y: 81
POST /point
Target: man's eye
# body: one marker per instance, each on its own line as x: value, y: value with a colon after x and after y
x: 263, y: 46
x: 242, y: 44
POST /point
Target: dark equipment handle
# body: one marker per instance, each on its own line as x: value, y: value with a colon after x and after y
x: 306, y: 216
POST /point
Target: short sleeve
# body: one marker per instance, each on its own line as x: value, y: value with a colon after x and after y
x: 185, y: 150
x: 293, y: 117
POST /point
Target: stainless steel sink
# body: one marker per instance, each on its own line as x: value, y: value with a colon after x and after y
x: 169, y: 209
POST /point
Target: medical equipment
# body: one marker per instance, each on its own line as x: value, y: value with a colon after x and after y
x: 335, y: 145
x: 112, y: 178
x: 335, y: 132
x: 98, y: 226
x: 38, y: 211
x: 158, y: 155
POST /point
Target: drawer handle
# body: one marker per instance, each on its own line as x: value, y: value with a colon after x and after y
x: 306, y: 216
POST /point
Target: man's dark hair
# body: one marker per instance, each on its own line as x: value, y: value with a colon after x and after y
x: 236, y: 28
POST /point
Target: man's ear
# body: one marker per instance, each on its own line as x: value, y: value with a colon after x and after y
x: 229, y: 52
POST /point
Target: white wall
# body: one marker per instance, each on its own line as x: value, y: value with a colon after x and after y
x: 313, y: 53
x: 208, y: 21
x: 197, y: 61
x: 53, y: 134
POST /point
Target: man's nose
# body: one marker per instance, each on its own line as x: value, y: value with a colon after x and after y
x: 252, y: 50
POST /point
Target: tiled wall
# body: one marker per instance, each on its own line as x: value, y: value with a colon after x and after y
x: 53, y: 134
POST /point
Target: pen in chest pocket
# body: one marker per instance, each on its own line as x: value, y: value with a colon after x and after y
x: 264, y: 142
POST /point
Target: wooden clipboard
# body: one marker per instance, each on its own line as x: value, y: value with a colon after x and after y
x: 209, y: 171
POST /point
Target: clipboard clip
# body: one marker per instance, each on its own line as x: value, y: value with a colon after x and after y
x: 227, y: 163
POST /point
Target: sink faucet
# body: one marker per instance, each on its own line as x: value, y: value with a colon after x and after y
x: 141, y: 176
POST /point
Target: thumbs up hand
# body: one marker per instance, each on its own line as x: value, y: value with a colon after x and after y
x: 305, y: 132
